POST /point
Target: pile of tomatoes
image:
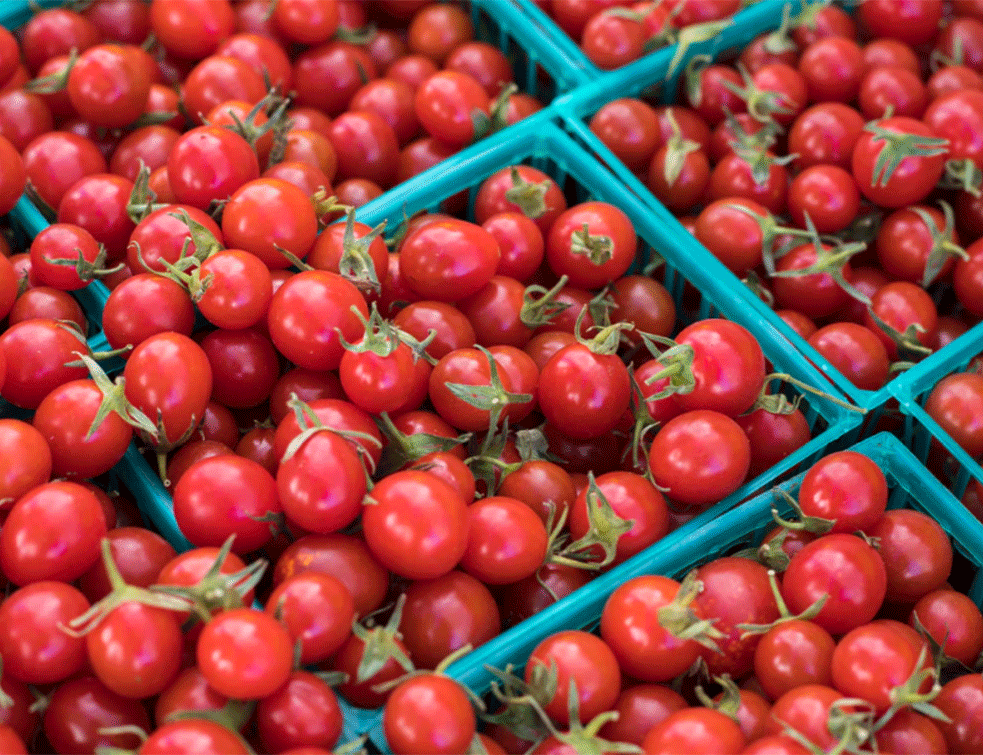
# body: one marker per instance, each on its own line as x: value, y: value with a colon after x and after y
x: 382, y: 446
x: 835, y: 167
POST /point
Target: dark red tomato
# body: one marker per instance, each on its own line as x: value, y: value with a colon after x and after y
x: 36, y: 353
x: 959, y: 41
x: 962, y: 701
x: 109, y: 84
x: 151, y: 144
x: 633, y: 499
x: 805, y: 710
x: 188, y: 691
x: 308, y: 22
x: 29, y: 458
x: 244, y: 653
x: 885, y: 51
x: 916, y: 552
x: 54, y: 250
x: 735, y: 591
x: 262, y: 53
x: 527, y: 597
x: 967, y: 278
x: 906, y: 244
x: 611, y: 40
x: 208, y: 164
x: 700, y: 731
x: 467, y: 367
x: 773, y: 437
x: 485, y: 62
x: 953, y: 620
x: 326, y: 77
x: 135, y: 650
x: 444, y: 614
x: 66, y: 418
x: 14, y: 175
x: 428, y: 713
x: 449, y: 259
x: 827, y: 194
x: 583, y: 394
x: 449, y: 104
x: 311, y: 340
x: 189, y: 30
x: 641, y: 707
x: 903, y: 305
x: 317, y: 611
x: 56, y: 160
x: 910, y: 733
x: 168, y: 378
x: 521, y: 188
x: 55, y: 32
x: 195, y: 735
x: 825, y: 134
x: 713, y: 95
x: 832, y: 69
x: 892, y: 90
x: 79, y: 708
x: 735, y: 236
x: 340, y: 415
x: 507, y: 541
x: 268, y: 213
x: 391, y: 100
x: 913, y: 178
x: 845, y: 568
x: 416, y: 524
x: 871, y: 660
x: 23, y: 116
x: 244, y: 367
x: 958, y: 117
x: 910, y: 21
x: 98, y: 204
x: 34, y: 646
x: 453, y: 329
x: 630, y: 626
x: 700, y: 457
x: 520, y: 242
x: 678, y: 181
x: 580, y: 659
x: 792, y: 654
x: 138, y: 553
x: 224, y: 495
x: 953, y: 78
x: 846, y: 487
x: 855, y: 351
x: 592, y: 243
x: 366, y: 147
x: 733, y: 176
x: 728, y: 367
x: 952, y: 403
x: 218, y: 79
x: 301, y: 716
x: 321, y: 486
x: 52, y: 532
x: 145, y: 305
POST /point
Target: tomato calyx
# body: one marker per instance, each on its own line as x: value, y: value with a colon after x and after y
x: 530, y: 197
x: 908, y: 694
x: 84, y: 269
x: 679, y: 620
x: 56, y: 81
x: 310, y: 424
x: 830, y: 260
x: 784, y: 614
x: 355, y: 264
x: 379, y: 644
x: 677, y: 148
x: 940, y: 658
x: 909, y: 346
x: 779, y: 41
x: 677, y: 365
x: 539, y: 304
x: 402, y: 449
x: 516, y: 715
x: 492, y: 398
x: 119, y: 594
x: 486, y: 124
x: 486, y: 463
x: 770, y: 230
x: 962, y: 174
x: 216, y: 591
x: 274, y: 106
x: 233, y: 716
x: 142, y: 200
x: 813, y: 524
x: 695, y: 34
x: 597, y: 248
x: 944, y: 245
x: 604, y: 530
x: 779, y: 403
x: 897, y: 147
x: 730, y: 698
x: 381, y: 337
x: 762, y: 104
x: 327, y: 207
x: 850, y: 721
x: 114, y: 400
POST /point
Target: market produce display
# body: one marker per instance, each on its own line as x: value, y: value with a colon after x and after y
x: 359, y: 390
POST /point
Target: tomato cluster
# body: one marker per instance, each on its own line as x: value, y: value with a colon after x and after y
x: 812, y: 639
x: 834, y: 166
x: 612, y: 33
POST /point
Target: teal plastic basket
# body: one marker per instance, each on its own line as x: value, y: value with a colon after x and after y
x: 581, y: 178
x: 912, y: 389
x: 14, y: 13
x: 910, y: 484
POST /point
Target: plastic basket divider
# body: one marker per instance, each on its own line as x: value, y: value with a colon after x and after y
x: 14, y: 13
